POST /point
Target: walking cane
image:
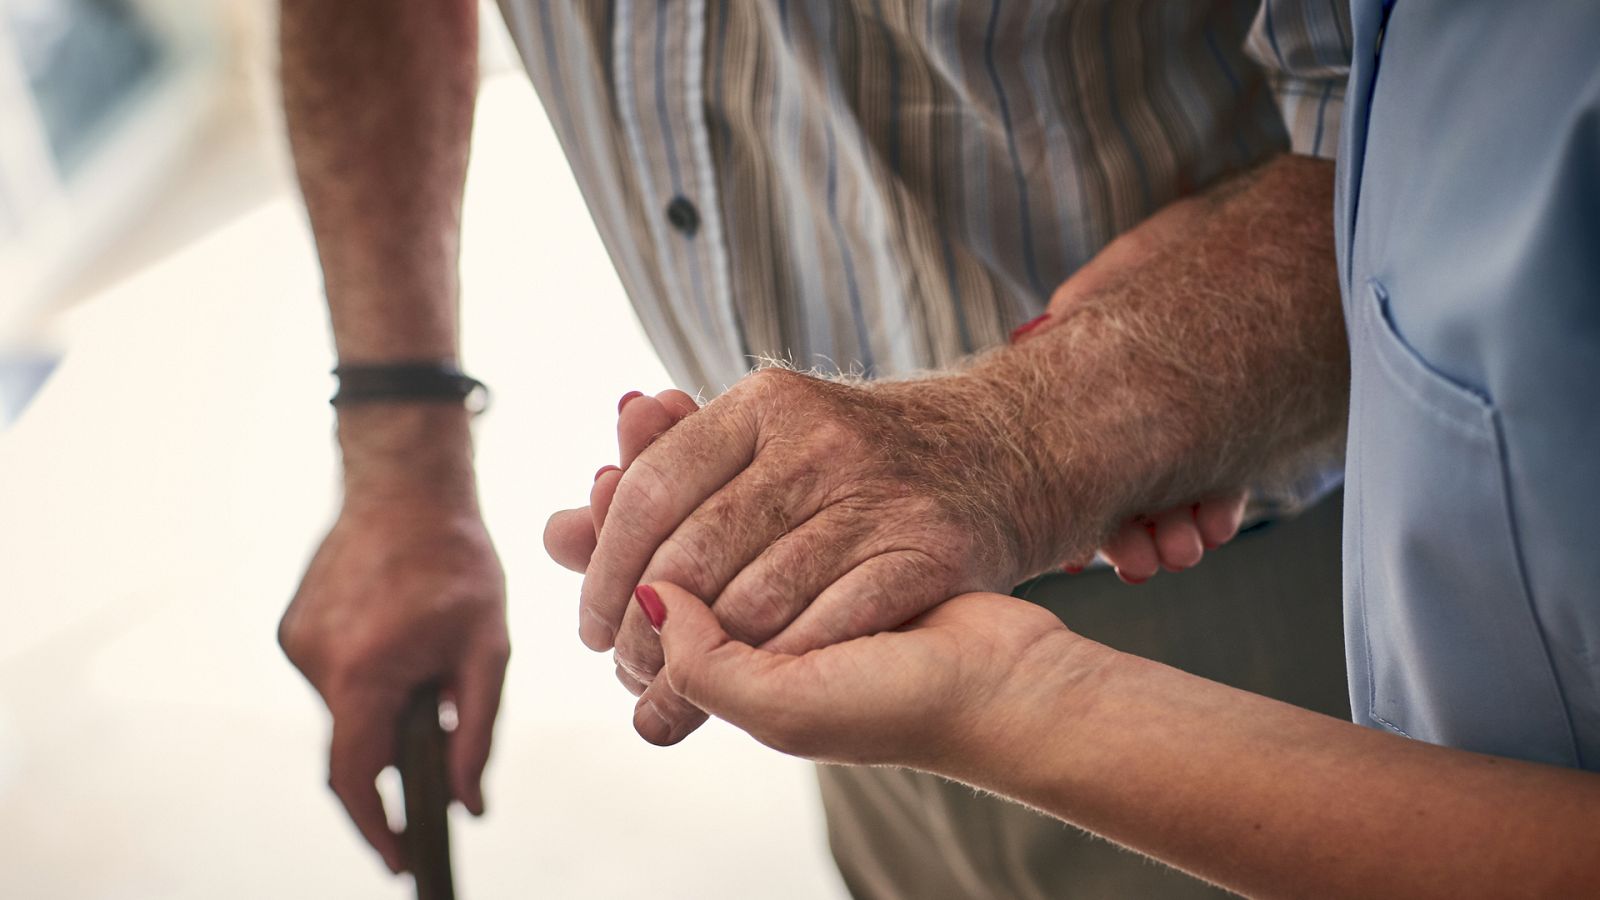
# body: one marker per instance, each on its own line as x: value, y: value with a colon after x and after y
x: 427, y: 796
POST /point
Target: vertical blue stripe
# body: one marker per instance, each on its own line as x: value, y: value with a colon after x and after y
x: 722, y: 87
x: 1021, y: 181
x: 1233, y: 80
x: 894, y: 86
x: 663, y: 112
x: 1322, y: 114
x: 788, y: 128
x: 846, y: 259
x: 1338, y: 26
x: 1066, y: 195
x: 941, y: 222
x: 1272, y: 33
x: 1116, y: 110
x: 1222, y: 61
x: 558, y: 86
x: 1088, y: 239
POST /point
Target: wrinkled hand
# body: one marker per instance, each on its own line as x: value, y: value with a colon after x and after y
x: 811, y: 511
x: 1175, y: 540
x: 931, y: 695
x: 401, y: 594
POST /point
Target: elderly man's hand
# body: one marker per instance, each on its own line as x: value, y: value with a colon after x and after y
x: 1174, y: 539
x: 406, y: 589
x: 813, y: 512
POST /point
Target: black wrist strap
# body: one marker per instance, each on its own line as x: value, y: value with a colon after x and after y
x: 409, y: 382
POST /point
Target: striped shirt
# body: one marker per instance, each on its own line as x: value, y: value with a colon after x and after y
x: 882, y: 186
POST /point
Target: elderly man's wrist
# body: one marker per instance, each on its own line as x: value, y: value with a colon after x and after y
x: 1011, y: 428
x: 967, y: 430
x: 413, y: 453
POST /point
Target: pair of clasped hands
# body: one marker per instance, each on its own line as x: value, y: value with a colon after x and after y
x: 781, y: 559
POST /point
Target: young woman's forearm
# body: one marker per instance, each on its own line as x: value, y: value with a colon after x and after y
x: 1272, y: 800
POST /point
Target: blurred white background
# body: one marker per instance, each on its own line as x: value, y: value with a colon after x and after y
x: 160, y: 494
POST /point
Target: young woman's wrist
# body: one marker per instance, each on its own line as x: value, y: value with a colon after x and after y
x: 1016, y: 740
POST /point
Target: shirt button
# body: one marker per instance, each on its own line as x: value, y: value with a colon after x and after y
x: 683, y: 216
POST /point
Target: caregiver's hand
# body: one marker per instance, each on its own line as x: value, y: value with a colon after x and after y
x: 934, y: 695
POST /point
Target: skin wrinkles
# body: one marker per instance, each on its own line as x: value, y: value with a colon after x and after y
x: 1036, y: 453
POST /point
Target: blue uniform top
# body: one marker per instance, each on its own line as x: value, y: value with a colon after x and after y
x: 1469, y: 247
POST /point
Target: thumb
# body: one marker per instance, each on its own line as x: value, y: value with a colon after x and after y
x: 705, y: 666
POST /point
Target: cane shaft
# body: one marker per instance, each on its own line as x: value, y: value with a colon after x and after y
x: 427, y: 797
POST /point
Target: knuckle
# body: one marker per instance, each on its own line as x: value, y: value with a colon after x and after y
x: 289, y: 635
x: 774, y: 379
x: 358, y: 651
x: 495, y: 651
x: 901, y: 586
x: 638, y: 655
x: 342, y: 783
x: 832, y: 435
x: 686, y: 676
x: 687, y: 559
x: 643, y: 498
x: 756, y: 613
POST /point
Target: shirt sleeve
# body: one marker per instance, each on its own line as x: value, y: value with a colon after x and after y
x: 1304, y: 45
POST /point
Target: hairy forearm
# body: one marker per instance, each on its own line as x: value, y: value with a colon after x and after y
x: 1208, y: 355
x: 1273, y: 800
x: 378, y: 98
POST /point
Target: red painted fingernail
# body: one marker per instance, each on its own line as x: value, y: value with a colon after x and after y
x: 627, y: 397
x: 605, y: 469
x: 1023, y: 329
x: 1072, y: 570
x: 1131, y: 580
x: 650, y: 602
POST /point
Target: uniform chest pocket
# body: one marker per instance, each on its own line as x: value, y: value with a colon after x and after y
x: 1439, y: 609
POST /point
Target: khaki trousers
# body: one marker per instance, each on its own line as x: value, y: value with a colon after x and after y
x: 1262, y: 614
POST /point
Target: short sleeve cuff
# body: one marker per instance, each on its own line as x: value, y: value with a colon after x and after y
x: 1312, y: 109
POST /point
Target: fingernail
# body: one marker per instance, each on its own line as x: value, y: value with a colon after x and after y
x: 1131, y: 580
x: 650, y: 602
x: 627, y: 397
x: 605, y: 469
x: 1072, y: 570
x: 1022, y: 330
